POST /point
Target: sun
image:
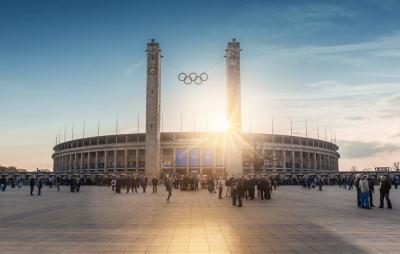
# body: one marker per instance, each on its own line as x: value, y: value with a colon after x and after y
x: 225, y: 126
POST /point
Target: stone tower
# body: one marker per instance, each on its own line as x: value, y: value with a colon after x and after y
x: 153, y: 94
x: 234, y: 116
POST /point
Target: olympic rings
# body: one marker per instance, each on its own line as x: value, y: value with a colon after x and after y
x: 193, y: 77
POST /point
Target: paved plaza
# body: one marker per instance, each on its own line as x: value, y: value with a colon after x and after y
x: 97, y: 220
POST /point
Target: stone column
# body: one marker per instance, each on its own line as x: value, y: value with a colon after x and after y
x: 88, y: 159
x: 153, y: 95
x: 105, y: 160
x: 234, y: 116
x: 115, y: 160
x: 173, y: 161
x: 315, y: 161
x: 97, y: 161
x: 126, y: 160
x: 293, y: 161
x: 284, y: 160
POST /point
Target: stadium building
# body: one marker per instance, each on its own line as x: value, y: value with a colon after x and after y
x: 207, y: 153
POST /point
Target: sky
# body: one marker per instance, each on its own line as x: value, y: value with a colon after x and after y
x: 66, y: 64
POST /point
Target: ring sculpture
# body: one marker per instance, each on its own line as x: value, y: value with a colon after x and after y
x: 193, y: 78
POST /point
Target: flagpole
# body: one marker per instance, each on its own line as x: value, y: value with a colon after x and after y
x: 138, y: 122
x: 72, y: 132
x: 207, y: 121
x: 98, y: 127
x: 250, y: 123
x: 162, y: 121
x: 317, y: 131
x: 306, y: 130
x: 181, y: 122
x: 84, y: 126
x: 273, y: 139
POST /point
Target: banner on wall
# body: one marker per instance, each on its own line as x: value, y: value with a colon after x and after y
x: 194, y: 157
x: 180, y: 157
x: 208, y: 160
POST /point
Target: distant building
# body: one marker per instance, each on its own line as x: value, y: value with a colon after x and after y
x: 381, y: 169
x: 212, y: 153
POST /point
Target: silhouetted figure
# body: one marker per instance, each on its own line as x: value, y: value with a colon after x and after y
x: 384, y: 192
x: 32, y: 184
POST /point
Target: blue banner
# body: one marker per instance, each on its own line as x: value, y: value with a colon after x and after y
x: 194, y: 157
x: 208, y: 158
x: 180, y: 157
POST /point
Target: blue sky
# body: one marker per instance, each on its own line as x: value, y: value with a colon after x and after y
x: 335, y: 62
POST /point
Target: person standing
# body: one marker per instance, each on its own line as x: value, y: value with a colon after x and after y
x: 220, y: 188
x: 240, y: 191
x: 233, y: 191
x: 384, y: 192
x: 32, y: 184
x: 39, y: 186
x: 78, y: 184
x: 263, y: 187
x: 371, y: 191
x: 144, y: 184
x: 58, y: 180
x: 364, y: 188
x: 267, y: 189
x: 154, y: 181
x: 72, y: 184
x: 113, y: 183
x: 128, y: 184
x: 320, y: 183
x: 118, y: 185
x: 228, y: 184
x: 357, y: 185
x: 168, y: 187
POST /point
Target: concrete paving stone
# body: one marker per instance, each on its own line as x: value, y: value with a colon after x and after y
x: 97, y: 220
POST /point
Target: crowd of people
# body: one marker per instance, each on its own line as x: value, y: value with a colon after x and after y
x: 235, y: 187
x: 365, y: 191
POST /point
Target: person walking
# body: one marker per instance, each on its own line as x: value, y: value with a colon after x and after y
x: 154, y: 181
x: 384, y: 192
x: 168, y: 187
x: 364, y: 188
x: 32, y: 184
